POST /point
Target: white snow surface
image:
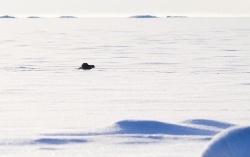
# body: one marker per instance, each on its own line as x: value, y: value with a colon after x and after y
x: 233, y: 142
x: 160, y: 87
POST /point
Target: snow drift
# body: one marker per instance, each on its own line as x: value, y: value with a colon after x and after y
x: 55, y: 141
x: 155, y: 127
x: 233, y: 142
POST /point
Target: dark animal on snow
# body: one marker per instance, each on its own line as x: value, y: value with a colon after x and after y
x: 86, y: 66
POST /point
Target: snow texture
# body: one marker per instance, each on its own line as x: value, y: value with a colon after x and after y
x: 161, y: 87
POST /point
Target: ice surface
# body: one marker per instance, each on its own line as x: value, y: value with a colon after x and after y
x: 161, y: 87
x: 233, y: 142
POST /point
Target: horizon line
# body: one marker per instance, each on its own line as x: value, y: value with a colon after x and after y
x: 126, y: 15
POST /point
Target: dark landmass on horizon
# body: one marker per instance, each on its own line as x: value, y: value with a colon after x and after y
x: 7, y: 16
x: 143, y: 16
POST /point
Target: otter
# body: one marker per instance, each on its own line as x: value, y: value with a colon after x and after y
x: 85, y: 66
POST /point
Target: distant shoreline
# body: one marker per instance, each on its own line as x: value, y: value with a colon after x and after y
x: 127, y: 16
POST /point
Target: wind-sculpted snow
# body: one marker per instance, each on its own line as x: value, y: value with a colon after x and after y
x: 209, y: 123
x: 129, y: 132
x: 142, y: 127
x: 155, y: 127
x: 56, y: 141
x: 233, y: 142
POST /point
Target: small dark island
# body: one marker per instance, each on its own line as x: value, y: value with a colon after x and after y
x: 67, y: 17
x: 7, y: 17
x: 143, y: 16
x: 176, y: 16
x: 33, y: 17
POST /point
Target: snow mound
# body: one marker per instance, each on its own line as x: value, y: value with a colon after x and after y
x: 210, y: 123
x: 233, y: 142
x: 155, y: 127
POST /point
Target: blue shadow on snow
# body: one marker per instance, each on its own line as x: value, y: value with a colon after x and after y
x: 55, y: 141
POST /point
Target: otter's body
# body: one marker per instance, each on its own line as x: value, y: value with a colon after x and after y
x: 85, y: 66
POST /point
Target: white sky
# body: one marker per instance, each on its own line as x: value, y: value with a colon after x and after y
x: 123, y: 7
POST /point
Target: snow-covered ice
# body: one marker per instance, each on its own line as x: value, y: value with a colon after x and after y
x: 160, y: 87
